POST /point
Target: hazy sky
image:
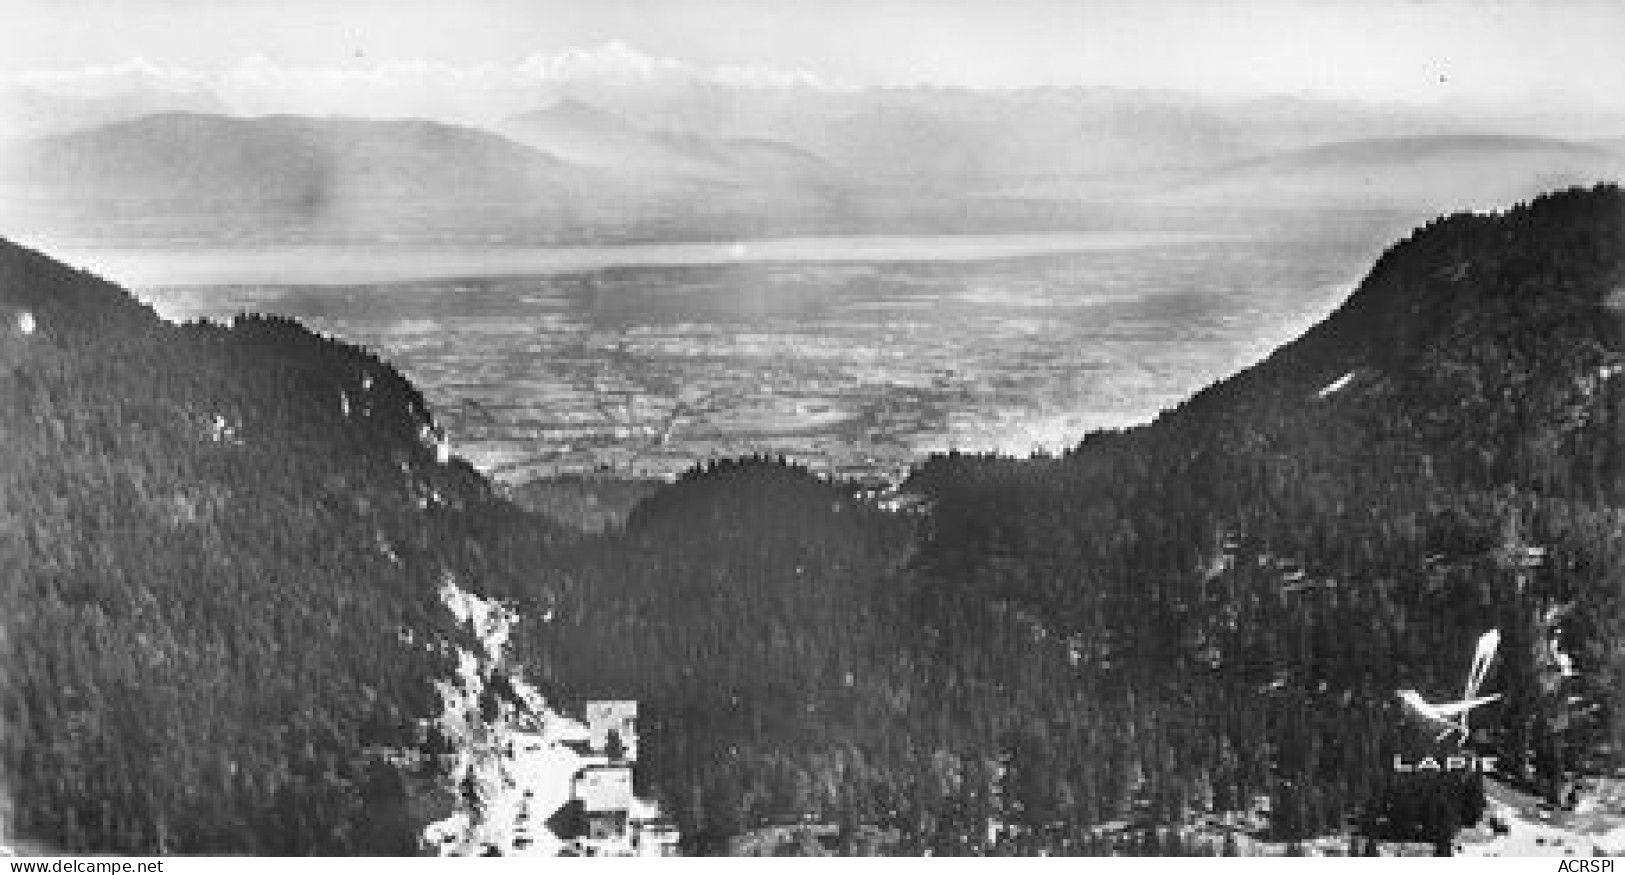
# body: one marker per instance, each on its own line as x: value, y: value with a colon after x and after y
x: 1503, y: 50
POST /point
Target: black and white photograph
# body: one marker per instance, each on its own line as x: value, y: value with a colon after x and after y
x: 812, y: 428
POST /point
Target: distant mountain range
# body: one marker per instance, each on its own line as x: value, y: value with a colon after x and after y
x: 584, y: 134
x: 32, y: 112
x: 1407, y: 173
x: 662, y: 156
x: 192, y: 176
x: 188, y: 174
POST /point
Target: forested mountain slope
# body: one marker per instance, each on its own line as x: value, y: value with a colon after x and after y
x: 211, y: 540
x: 1174, y: 620
x: 216, y: 547
x: 1277, y: 556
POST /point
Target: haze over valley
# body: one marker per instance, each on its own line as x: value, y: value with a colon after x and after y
x: 1212, y: 227
x: 844, y: 356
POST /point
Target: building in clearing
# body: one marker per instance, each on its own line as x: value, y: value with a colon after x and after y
x: 608, y: 818
x: 606, y: 801
x: 614, y: 718
x: 528, y: 780
x: 604, y: 788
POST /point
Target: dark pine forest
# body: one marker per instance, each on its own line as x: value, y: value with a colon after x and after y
x: 220, y: 546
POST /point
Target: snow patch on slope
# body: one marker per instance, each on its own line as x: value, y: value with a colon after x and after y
x: 499, y: 727
x: 517, y: 762
x: 1336, y: 385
